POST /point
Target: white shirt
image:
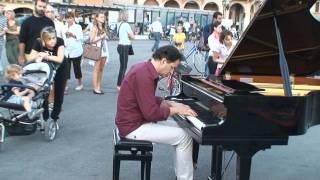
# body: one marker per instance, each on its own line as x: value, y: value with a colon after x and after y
x: 186, y: 25
x: 59, y: 26
x: 123, y: 30
x: 213, y: 42
x: 156, y: 27
x: 223, y: 52
x: 73, y: 46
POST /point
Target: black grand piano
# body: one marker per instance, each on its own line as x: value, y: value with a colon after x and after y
x: 265, y: 92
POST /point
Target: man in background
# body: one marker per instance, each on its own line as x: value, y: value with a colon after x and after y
x: 31, y: 28
x: 156, y: 29
x: 52, y: 13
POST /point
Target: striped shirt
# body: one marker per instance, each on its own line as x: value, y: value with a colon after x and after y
x: 3, y: 24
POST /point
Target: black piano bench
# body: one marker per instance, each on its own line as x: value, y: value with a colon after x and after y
x: 131, y: 150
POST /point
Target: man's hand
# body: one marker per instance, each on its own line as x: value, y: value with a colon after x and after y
x: 182, y: 109
x: 21, y: 59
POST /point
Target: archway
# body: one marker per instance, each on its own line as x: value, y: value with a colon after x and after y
x: 211, y: 7
x: 191, y: 5
x: 151, y: 3
x: 21, y: 14
x: 171, y: 3
x: 23, y: 10
x: 237, y: 14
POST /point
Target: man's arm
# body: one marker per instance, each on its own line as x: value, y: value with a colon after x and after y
x: 206, y: 34
x: 21, y: 58
x: 22, y: 38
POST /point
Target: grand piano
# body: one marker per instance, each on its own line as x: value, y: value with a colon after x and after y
x: 266, y: 91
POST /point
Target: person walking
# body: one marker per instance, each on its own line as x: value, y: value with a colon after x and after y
x: 3, y: 27
x: 156, y: 29
x: 125, y: 34
x: 143, y: 116
x: 73, y: 36
x: 31, y: 28
x: 98, y: 36
x: 12, y: 40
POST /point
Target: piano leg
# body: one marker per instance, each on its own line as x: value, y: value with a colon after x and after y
x: 195, y: 153
x: 243, y: 167
x: 216, y: 163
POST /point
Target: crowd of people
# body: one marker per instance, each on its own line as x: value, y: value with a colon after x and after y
x: 48, y: 36
x: 217, y: 40
x: 140, y: 113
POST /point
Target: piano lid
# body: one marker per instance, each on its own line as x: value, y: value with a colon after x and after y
x: 256, y: 53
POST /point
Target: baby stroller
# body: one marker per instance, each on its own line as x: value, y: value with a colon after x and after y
x: 14, y: 120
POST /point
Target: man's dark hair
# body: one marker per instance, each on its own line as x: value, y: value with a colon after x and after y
x: 169, y: 52
x: 36, y: 1
x: 216, y: 14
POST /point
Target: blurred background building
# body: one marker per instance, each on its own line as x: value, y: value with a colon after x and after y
x: 239, y: 12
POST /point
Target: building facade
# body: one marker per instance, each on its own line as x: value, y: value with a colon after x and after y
x: 239, y: 11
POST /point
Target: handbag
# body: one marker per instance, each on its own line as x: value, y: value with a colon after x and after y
x: 91, y: 52
x: 131, y: 52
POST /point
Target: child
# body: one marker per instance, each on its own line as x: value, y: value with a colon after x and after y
x: 179, y: 38
x: 172, y: 32
x: 222, y: 51
x: 19, y: 95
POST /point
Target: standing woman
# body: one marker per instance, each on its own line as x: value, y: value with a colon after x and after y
x: 73, y: 36
x: 125, y: 34
x: 51, y: 48
x: 12, y: 40
x: 98, y: 36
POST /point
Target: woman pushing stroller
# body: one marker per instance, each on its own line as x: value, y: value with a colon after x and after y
x: 47, y: 65
x: 50, y: 48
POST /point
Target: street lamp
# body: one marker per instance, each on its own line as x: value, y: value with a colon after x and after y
x: 225, y: 6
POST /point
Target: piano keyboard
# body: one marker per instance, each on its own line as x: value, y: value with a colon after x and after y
x: 204, y: 119
x: 195, y: 121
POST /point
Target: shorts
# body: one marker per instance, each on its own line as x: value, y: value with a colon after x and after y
x: 15, y: 99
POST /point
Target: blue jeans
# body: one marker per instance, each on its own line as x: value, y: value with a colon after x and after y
x: 156, y: 41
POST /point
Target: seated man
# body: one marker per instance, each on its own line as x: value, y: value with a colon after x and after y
x: 142, y: 116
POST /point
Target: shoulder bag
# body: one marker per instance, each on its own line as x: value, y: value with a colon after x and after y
x: 92, y: 51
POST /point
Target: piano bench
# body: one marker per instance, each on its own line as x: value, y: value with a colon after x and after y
x: 131, y: 150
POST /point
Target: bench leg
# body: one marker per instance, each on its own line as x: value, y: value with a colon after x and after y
x: 148, y: 170
x: 143, y: 169
x: 116, y: 168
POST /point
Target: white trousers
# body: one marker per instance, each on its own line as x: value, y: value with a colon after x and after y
x: 168, y: 132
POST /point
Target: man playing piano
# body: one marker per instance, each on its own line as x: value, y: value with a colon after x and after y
x: 142, y: 116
